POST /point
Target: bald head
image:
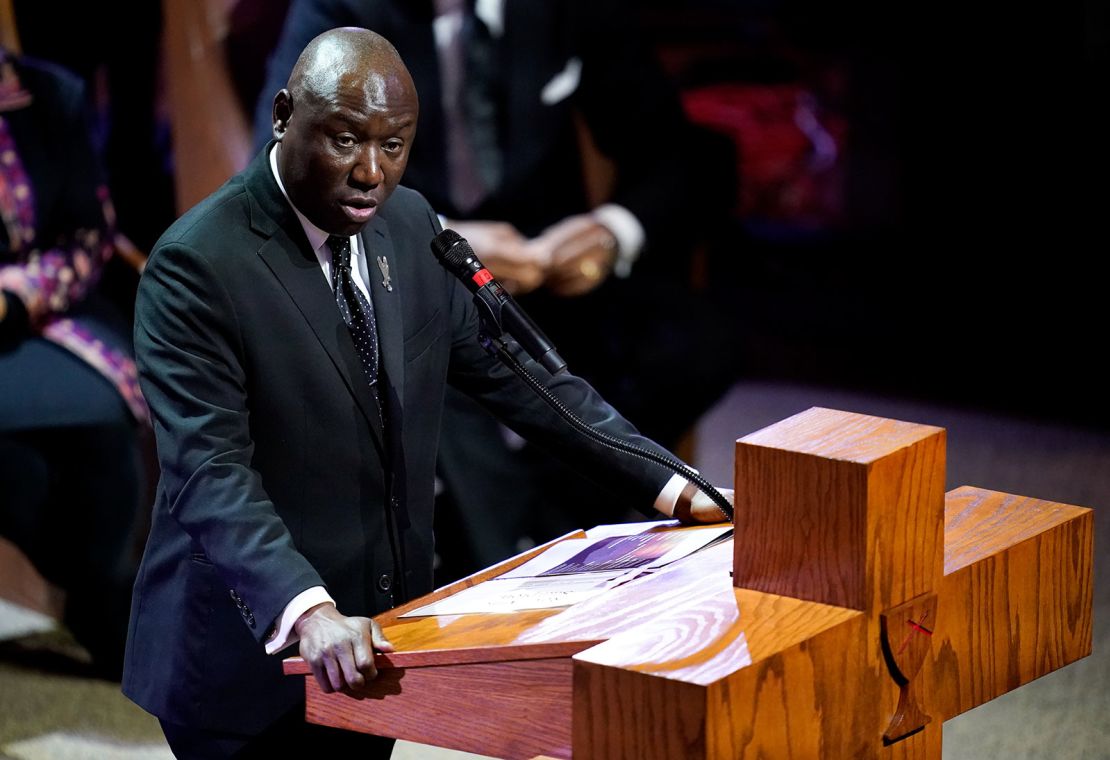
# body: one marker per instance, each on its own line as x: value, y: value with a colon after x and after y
x: 345, y: 53
x: 345, y: 123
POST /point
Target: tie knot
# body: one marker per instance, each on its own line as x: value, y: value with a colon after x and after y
x: 340, y: 246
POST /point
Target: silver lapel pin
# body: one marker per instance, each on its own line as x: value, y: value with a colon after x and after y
x: 383, y: 264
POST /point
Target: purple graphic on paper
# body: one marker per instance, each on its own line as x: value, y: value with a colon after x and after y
x: 619, y: 553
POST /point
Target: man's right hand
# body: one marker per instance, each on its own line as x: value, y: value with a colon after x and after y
x: 340, y: 649
x: 518, y: 266
x: 694, y: 506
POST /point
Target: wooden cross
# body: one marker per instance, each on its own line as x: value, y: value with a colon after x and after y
x: 864, y: 608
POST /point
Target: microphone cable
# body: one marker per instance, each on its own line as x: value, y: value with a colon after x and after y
x: 496, y: 308
x: 499, y: 348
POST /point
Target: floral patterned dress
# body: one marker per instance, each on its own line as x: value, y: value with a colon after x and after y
x: 52, y: 270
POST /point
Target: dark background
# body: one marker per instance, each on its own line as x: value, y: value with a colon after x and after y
x: 963, y: 261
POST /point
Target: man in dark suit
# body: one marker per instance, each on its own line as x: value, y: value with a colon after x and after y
x: 521, y: 83
x: 294, y: 337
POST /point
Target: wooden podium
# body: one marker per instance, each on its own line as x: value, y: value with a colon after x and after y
x: 857, y: 609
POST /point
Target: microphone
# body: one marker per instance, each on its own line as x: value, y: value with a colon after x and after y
x: 499, y: 312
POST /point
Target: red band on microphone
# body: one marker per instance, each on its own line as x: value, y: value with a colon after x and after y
x: 482, y: 276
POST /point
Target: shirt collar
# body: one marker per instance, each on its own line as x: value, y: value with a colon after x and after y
x: 316, y: 236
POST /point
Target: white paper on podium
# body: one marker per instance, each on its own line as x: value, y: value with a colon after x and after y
x: 513, y: 594
x: 576, y: 569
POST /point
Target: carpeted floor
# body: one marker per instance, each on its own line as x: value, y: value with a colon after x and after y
x: 50, y: 710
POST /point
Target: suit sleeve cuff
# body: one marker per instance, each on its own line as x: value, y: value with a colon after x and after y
x: 283, y: 634
x: 667, y: 499
x: 628, y: 231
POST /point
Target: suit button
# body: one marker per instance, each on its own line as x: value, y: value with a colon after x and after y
x: 244, y: 610
x: 385, y: 583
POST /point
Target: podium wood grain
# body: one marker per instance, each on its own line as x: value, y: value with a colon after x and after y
x: 771, y: 646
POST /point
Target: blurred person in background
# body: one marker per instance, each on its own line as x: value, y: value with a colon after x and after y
x: 70, y: 406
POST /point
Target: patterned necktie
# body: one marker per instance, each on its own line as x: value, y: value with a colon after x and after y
x: 355, y: 308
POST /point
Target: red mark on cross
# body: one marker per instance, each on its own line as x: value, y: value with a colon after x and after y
x: 917, y: 628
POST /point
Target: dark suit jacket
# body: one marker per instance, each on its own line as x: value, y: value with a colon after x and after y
x: 275, y: 473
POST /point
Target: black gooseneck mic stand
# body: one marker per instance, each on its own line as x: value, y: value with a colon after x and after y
x: 455, y: 254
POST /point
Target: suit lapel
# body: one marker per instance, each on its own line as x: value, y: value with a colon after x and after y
x: 383, y: 282
x: 287, y: 254
x: 382, y: 267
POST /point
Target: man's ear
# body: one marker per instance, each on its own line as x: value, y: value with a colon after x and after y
x: 283, y: 111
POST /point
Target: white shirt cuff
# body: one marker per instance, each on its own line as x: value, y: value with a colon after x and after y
x: 628, y: 231
x: 667, y: 499
x: 284, y: 635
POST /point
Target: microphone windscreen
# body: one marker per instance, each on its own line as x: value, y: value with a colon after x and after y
x: 452, y: 250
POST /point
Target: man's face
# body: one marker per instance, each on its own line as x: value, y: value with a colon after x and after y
x: 344, y: 145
